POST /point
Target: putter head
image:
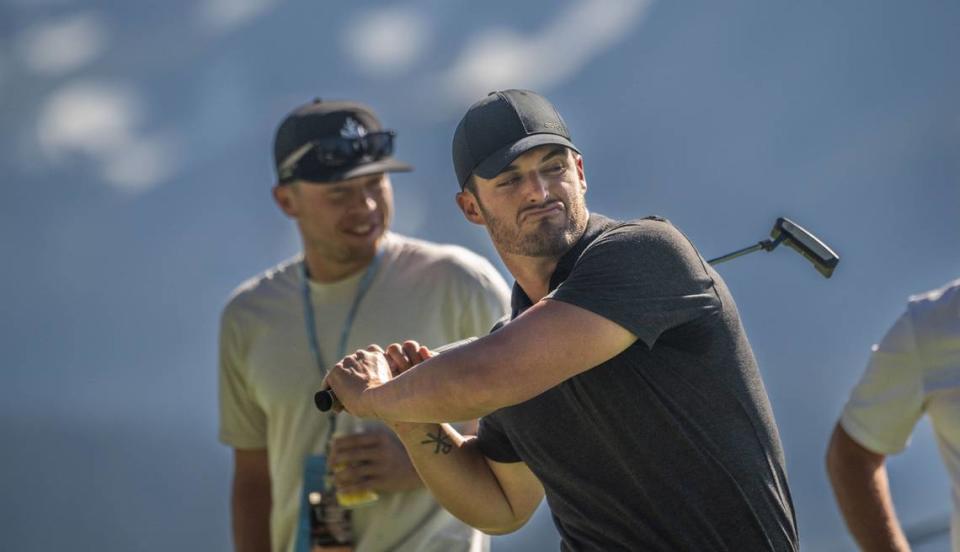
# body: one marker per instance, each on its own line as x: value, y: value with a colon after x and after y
x: 796, y: 237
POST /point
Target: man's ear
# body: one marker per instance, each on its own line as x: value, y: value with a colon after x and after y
x: 283, y: 197
x: 580, y: 172
x: 470, y: 207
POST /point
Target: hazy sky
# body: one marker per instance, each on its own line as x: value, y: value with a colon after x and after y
x: 136, y: 142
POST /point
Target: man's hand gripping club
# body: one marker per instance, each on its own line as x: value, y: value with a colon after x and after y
x: 356, y: 375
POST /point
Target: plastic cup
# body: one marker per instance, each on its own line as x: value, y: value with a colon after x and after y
x: 356, y: 499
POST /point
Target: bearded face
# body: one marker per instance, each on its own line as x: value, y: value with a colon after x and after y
x: 545, y: 230
x: 535, y: 207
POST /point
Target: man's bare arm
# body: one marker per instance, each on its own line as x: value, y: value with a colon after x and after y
x: 250, y: 501
x: 549, y: 343
x: 859, y: 479
x: 493, y: 497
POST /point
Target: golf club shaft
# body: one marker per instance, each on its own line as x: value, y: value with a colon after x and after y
x: 738, y: 253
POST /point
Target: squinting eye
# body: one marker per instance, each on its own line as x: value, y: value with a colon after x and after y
x: 556, y: 169
x: 509, y: 182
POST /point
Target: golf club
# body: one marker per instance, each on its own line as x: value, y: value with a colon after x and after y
x: 795, y: 237
x: 784, y: 231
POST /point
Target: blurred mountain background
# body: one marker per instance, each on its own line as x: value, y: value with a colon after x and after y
x: 135, y: 146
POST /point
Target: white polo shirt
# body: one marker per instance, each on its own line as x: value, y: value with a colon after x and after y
x: 914, y: 370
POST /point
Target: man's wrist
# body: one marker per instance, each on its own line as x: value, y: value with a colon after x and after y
x: 372, y: 398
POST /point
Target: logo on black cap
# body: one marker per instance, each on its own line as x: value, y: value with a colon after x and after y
x: 501, y: 127
x: 331, y: 141
x: 352, y: 129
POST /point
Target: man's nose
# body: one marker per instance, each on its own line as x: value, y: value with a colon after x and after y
x: 366, y: 200
x: 537, y: 187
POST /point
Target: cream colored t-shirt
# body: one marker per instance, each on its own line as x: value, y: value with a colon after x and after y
x: 432, y: 293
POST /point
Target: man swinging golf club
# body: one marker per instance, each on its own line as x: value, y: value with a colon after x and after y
x: 623, y: 387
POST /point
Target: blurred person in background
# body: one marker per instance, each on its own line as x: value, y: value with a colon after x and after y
x: 354, y: 283
x: 623, y: 388
x: 914, y: 370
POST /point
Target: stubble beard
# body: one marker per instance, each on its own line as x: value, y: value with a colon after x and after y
x: 548, y: 239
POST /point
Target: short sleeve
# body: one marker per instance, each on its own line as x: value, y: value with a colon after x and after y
x: 645, y: 276
x: 242, y: 422
x: 887, y: 402
x: 494, y: 443
x: 500, y: 323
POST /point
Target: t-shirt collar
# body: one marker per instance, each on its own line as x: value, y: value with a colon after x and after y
x: 596, y: 225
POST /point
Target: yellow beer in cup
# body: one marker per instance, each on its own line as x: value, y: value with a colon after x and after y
x: 347, y: 425
x: 355, y: 499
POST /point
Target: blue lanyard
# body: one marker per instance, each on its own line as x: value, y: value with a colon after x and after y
x: 310, y: 320
x: 311, y: 327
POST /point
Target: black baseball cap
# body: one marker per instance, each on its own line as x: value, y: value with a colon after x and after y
x: 329, y: 141
x: 499, y: 128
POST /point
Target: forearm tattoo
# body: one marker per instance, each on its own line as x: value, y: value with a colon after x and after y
x: 443, y: 443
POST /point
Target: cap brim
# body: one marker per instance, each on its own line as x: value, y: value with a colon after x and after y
x: 383, y: 165
x: 498, y: 160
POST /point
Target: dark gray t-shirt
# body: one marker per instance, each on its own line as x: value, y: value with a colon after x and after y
x: 670, y: 445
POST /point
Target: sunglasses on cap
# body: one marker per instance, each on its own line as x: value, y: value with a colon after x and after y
x: 334, y: 152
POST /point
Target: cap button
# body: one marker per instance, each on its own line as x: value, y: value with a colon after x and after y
x: 317, y: 100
